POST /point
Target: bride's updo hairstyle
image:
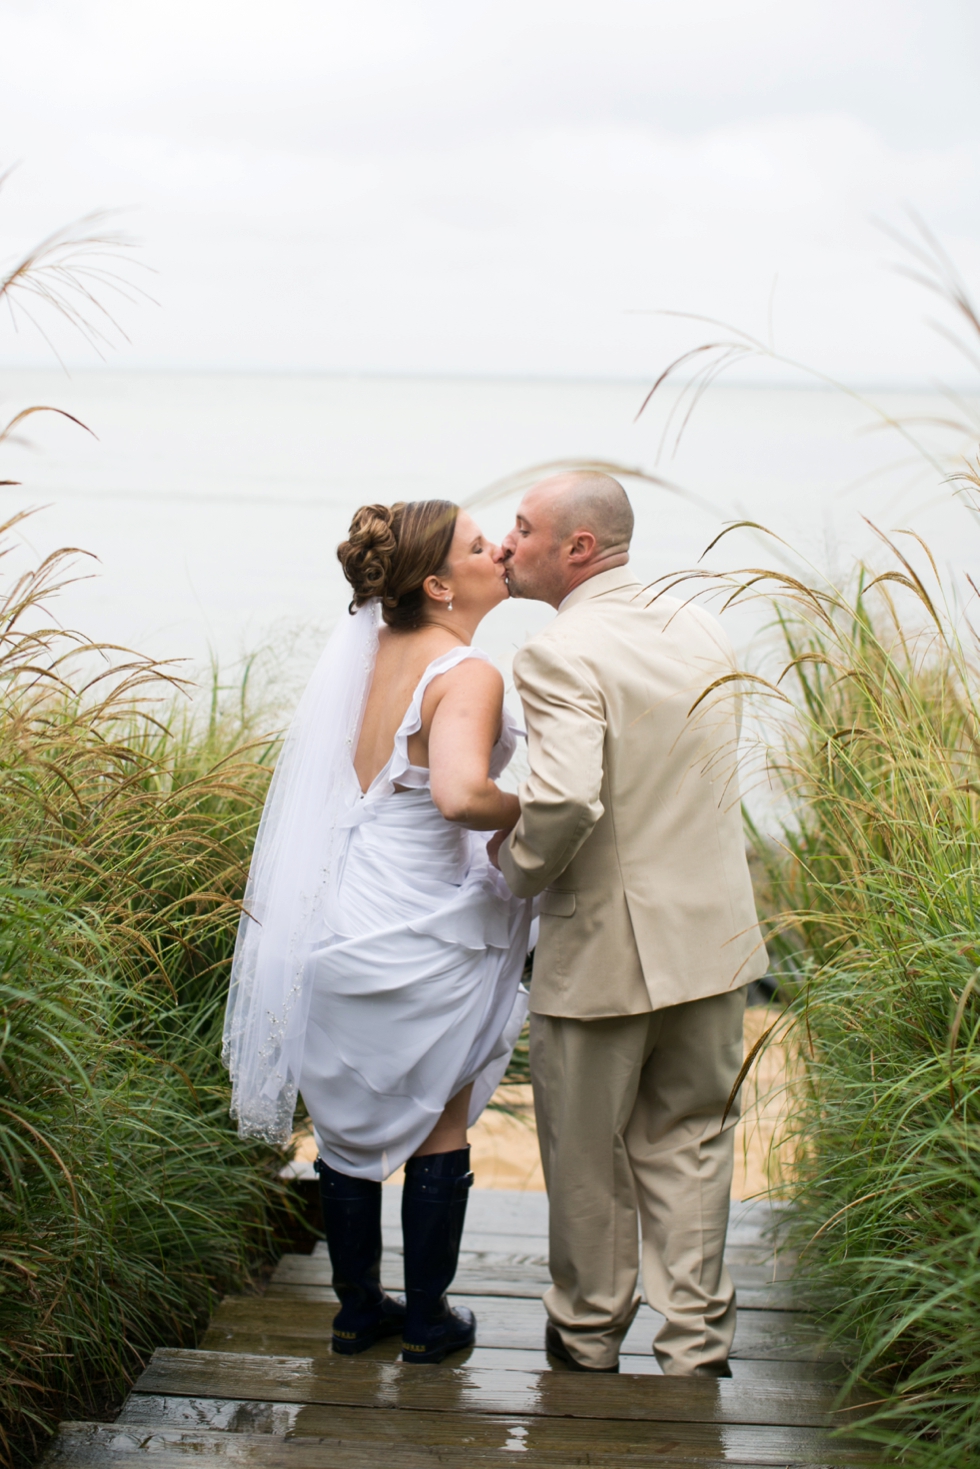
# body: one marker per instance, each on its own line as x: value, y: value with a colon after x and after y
x: 390, y: 551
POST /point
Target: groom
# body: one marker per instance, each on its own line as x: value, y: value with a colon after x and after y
x: 631, y: 832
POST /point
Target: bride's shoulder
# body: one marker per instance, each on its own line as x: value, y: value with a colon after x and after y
x: 472, y: 665
x: 468, y: 673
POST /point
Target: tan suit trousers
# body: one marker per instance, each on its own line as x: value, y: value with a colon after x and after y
x: 629, y: 1114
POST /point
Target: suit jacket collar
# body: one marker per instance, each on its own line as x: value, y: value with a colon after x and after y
x: 613, y: 580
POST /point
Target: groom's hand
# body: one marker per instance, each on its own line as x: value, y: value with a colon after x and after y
x: 494, y: 845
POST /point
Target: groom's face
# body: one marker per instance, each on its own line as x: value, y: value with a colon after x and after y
x: 532, y: 551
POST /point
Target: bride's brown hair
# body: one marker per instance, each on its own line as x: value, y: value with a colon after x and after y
x: 389, y: 552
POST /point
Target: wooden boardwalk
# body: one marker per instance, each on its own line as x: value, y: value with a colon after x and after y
x: 265, y: 1390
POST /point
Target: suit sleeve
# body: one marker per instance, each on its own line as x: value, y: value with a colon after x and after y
x: 560, y: 805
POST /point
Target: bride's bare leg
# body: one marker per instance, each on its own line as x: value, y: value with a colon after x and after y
x: 449, y: 1133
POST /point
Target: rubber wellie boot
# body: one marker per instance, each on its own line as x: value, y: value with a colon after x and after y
x: 352, y: 1224
x: 433, y: 1211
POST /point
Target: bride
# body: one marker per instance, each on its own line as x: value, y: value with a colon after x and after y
x: 379, y: 955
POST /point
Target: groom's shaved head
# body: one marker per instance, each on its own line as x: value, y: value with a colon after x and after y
x: 568, y: 528
x: 587, y: 500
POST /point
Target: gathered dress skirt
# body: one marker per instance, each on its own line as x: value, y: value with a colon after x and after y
x: 415, y: 985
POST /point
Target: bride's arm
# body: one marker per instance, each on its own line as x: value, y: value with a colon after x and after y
x: 464, y: 727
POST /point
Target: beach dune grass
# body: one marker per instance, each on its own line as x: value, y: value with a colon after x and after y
x: 871, y: 730
x: 126, y: 1199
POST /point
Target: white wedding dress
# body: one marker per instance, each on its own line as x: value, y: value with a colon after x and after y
x: 379, y: 955
x: 415, y: 985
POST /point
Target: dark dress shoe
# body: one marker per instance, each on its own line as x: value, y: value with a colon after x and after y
x: 713, y: 1369
x: 553, y: 1343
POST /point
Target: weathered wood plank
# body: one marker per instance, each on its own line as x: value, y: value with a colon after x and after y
x: 237, y: 1415
x: 524, y: 1215
x: 353, y: 1382
x: 535, y: 1266
x: 269, y: 1344
x: 781, y: 1296
x: 532, y: 1249
x: 476, y: 1274
x: 488, y: 1211
x: 493, y: 1273
x: 519, y: 1322
x: 94, y: 1444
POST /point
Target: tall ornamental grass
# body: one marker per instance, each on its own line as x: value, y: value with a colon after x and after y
x: 874, y: 744
x: 126, y: 1199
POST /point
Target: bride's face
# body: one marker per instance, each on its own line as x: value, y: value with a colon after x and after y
x: 475, y: 568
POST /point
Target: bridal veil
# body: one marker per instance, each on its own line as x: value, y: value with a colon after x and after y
x: 300, y: 837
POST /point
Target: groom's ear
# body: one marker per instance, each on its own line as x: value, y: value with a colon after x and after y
x: 581, y: 546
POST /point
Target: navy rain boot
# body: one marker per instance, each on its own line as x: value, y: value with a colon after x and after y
x: 433, y: 1210
x: 352, y: 1224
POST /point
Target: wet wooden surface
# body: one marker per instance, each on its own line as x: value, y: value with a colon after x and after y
x: 516, y: 1323
x: 265, y: 1390
x: 87, y: 1444
x: 498, y: 1272
x: 354, y: 1382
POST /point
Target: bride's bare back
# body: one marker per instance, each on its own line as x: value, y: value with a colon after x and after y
x: 461, y: 714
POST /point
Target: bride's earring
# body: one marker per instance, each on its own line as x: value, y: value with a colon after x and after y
x: 449, y: 605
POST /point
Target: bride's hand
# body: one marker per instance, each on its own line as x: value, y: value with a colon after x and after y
x: 494, y: 845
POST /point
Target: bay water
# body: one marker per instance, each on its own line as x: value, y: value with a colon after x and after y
x: 214, y: 502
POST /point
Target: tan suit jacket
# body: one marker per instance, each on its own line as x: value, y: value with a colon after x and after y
x: 631, y: 825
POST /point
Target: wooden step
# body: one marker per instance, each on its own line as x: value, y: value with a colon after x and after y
x: 264, y: 1343
x: 746, y: 1441
x: 495, y: 1273
x: 355, y: 1382
x: 306, y: 1312
x: 92, y: 1445
x: 503, y: 1211
x: 265, y: 1390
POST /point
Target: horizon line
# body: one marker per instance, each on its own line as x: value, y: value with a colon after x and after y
x: 865, y: 385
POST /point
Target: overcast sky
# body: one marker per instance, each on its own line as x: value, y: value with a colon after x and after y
x: 436, y: 186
